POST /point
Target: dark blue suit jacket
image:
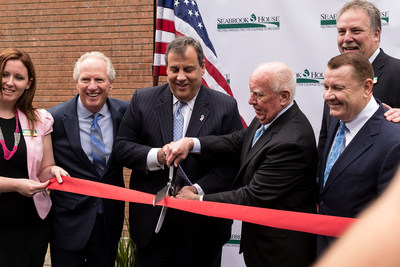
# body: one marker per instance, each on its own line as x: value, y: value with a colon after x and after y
x: 362, y: 171
x: 386, y: 89
x: 74, y: 215
x: 148, y: 123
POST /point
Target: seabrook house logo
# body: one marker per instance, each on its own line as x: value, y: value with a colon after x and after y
x: 252, y: 23
x: 309, y: 78
x: 234, y: 241
x: 329, y: 20
x: 385, y: 18
x: 228, y: 78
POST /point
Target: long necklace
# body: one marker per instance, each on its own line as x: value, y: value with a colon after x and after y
x: 17, y: 137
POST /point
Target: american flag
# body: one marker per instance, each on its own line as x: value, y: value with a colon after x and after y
x: 182, y: 17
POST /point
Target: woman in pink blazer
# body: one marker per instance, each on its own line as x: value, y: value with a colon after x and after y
x: 26, y: 164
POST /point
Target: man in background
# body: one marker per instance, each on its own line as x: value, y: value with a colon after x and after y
x: 359, y: 30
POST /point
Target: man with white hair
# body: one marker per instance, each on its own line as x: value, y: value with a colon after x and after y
x: 86, y: 230
x: 277, y: 167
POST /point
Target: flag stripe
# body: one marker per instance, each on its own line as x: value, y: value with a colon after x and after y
x: 166, y: 13
x: 165, y: 25
x: 213, y: 71
x: 181, y: 17
x: 160, y: 48
x: 203, y: 81
x: 165, y: 37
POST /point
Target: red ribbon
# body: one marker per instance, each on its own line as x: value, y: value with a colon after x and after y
x: 289, y: 220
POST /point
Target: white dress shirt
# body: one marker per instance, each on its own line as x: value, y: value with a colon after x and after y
x: 355, y: 125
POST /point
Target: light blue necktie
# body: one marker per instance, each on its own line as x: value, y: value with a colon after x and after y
x: 98, y: 149
x: 178, y: 121
x: 258, y: 133
x: 336, y: 149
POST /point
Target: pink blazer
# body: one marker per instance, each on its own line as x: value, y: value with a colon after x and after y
x: 34, y: 148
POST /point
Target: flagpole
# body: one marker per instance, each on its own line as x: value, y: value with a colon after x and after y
x: 155, y: 78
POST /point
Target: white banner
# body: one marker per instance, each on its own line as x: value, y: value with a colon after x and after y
x: 301, y: 34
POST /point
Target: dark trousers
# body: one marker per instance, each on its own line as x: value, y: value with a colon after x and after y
x: 97, y: 252
x: 24, y: 245
x: 172, y: 247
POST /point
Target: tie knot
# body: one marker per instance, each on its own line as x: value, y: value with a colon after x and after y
x: 258, y: 133
x: 180, y: 105
x: 342, y: 127
x: 96, y: 117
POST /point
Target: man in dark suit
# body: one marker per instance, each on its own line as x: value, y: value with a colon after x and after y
x: 277, y: 172
x: 368, y: 148
x: 184, y: 239
x: 86, y: 230
x: 373, y: 239
x: 359, y: 30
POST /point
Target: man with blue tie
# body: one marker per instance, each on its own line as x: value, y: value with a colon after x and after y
x: 278, y: 160
x: 156, y: 116
x: 86, y: 230
x: 363, y: 148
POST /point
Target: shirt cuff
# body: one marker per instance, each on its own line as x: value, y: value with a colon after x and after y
x: 152, y: 161
x: 196, y: 146
x: 199, y: 189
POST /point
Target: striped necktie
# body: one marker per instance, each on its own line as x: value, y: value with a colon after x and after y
x: 98, y: 149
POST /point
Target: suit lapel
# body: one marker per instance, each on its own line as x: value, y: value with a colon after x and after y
x: 378, y: 64
x: 248, y: 140
x: 200, y: 113
x: 250, y: 152
x: 71, y: 126
x: 358, y: 145
x: 333, y: 126
x: 164, y: 112
x: 116, y: 116
x: 198, y: 118
x: 263, y: 141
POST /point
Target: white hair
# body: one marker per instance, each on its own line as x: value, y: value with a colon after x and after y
x: 110, y: 67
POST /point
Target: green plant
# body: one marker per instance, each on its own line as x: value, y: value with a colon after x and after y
x: 126, y: 250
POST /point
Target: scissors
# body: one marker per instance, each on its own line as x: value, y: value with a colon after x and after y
x: 163, y: 193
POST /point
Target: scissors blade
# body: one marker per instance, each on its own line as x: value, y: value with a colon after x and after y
x: 161, y: 219
x: 164, y: 191
x: 164, y: 208
x: 160, y: 195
